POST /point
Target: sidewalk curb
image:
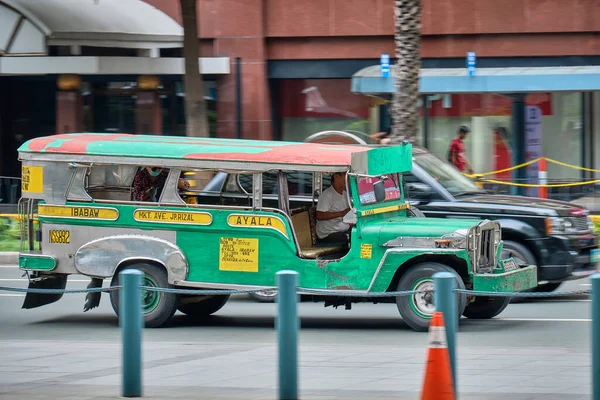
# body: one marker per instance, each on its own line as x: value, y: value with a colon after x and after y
x: 9, y: 257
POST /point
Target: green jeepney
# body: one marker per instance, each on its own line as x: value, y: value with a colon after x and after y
x: 80, y: 188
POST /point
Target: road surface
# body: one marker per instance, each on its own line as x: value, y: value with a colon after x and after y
x: 533, y: 350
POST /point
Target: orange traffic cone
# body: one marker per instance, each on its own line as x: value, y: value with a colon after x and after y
x: 438, y: 383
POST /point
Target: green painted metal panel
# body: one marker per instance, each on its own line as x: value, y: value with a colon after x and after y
x: 383, y: 160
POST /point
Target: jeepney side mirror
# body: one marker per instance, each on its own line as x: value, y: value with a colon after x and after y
x: 379, y: 189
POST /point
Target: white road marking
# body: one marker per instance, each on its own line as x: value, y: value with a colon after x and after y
x: 544, y: 319
x: 585, y: 284
x: 12, y: 295
x: 9, y: 266
x: 564, y: 301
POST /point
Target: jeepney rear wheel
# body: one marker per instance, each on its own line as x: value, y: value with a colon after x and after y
x: 416, y: 310
x: 201, y: 306
x: 157, y: 307
x: 486, y: 307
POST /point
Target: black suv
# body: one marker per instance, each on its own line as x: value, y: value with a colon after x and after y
x: 556, y: 236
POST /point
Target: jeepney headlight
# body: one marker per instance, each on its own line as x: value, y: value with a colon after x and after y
x: 457, y: 239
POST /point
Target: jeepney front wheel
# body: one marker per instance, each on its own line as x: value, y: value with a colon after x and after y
x: 417, y: 309
x: 157, y: 307
x: 201, y: 306
x: 486, y: 307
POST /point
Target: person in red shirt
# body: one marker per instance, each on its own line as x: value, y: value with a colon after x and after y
x: 456, y: 155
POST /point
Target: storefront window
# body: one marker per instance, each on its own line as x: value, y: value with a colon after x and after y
x: 562, y: 134
x: 488, y: 116
x: 309, y: 106
x: 556, y: 134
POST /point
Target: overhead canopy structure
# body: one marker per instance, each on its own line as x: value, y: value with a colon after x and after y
x: 487, y: 80
x: 31, y: 27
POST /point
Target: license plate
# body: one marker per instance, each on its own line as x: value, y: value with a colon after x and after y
x: 509, y: 265
x: 595, y: 256
x: 59, y: 236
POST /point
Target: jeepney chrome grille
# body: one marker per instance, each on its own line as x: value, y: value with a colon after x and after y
x: 483, y: 240
x: 486, y: 251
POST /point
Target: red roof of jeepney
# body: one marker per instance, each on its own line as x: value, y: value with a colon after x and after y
x: 177, y: 147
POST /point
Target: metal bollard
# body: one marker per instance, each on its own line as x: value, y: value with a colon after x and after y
x: 445, y: 301
x: 132, y: 323
x: 596, y: 336
x: 287, y: 334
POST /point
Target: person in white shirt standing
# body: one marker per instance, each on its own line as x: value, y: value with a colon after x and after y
x: 331, y: 208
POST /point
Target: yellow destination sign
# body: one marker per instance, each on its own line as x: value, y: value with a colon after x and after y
x: 92, y: 213
x: 173, y: 217
x: 32, y: 179
x: 258, y: 221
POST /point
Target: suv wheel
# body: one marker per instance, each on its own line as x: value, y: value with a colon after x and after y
x: 201, y: 306
x: 486, y: 307
x: 264, y: 296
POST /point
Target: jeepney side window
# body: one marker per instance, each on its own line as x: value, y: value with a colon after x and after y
x: 299, y: 183
x: 110, y: 182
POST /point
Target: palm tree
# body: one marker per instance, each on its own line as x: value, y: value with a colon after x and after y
x: 407, y: 20
x: 195, y: 106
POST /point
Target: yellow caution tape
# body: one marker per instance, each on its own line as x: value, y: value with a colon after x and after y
x: 541, y: 186
x: 505, y: 169
x: 571, y: 166
x: 550, y: 160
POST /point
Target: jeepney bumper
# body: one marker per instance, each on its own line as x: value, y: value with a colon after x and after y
x: 513, y: 281
x: 36, y: 261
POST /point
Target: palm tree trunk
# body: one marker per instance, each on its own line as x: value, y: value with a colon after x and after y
x: 407, y: 18
x: 195, y: 107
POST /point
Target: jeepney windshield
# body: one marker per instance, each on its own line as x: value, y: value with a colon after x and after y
x: 366, y: 191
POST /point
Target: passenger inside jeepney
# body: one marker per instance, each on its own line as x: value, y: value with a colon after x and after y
x: 331, y: 208
x: 149, y: 182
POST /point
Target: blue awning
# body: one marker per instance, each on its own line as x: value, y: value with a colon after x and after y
x: 487, y: 80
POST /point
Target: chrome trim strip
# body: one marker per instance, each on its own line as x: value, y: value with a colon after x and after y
x: 224, y: 286
x: 257, y: 191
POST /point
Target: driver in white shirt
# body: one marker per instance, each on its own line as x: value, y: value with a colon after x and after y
x: 331, y: 208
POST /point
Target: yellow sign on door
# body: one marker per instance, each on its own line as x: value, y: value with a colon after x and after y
x: 366, y: 250
x: 238, y: 254
x: 32, y: 179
